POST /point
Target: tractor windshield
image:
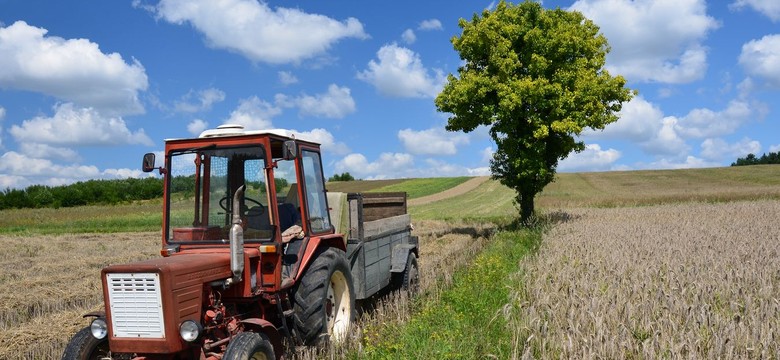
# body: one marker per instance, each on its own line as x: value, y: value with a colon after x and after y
x: 201, y: 187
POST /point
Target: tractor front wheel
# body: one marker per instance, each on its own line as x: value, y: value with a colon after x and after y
x: 84, y: 346
x: 249, y: 346
x: 325, y: 298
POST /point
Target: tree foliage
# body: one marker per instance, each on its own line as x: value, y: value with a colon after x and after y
x: 536, y: 77
x: 342, y: 177
x: 92, y: 192
x: 751, y: 159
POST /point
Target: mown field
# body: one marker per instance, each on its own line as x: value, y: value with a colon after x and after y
x: 644, y: 264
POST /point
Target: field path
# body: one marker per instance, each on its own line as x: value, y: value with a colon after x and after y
x: 461, y: 189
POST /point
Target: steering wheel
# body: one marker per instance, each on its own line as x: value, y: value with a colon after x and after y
x: 224, y: 200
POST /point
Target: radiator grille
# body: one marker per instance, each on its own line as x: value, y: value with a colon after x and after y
x: 136, y: 305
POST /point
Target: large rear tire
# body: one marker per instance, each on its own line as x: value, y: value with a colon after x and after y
x: 84, y: 346
x: 324, y: 300
x: 411, y: 280
x: 249, y: 346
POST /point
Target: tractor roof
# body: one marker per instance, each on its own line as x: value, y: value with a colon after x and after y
x: 238, y: 130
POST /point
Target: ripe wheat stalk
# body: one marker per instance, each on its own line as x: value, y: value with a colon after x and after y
x: 674, y: 281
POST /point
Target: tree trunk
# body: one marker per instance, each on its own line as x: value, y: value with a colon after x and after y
x: 526, y: 201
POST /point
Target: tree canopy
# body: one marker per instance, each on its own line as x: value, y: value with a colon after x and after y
x: 751, y: 159
x: 536, y: 77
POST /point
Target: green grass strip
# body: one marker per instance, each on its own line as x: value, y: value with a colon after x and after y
x: 415, y: 188
x: 466, y: 322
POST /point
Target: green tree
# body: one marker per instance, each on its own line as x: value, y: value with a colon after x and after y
x: 342, y: 177
x: 536, y: 77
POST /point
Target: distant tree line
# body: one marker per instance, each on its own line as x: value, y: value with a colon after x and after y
x: 342, y: 177
x: 92, y: 192
x: 750, y: 159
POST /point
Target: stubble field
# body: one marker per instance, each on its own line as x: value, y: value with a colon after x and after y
x: 697, y: 280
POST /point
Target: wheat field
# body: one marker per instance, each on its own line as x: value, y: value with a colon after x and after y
x: 691, y: 280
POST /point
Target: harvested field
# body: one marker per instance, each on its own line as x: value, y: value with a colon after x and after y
x: 673, y: 281
x: 49, y: 282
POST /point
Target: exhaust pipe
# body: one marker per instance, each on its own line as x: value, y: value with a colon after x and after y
x: 237, y: 239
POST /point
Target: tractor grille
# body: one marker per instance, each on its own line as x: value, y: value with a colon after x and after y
x: 136, y: 305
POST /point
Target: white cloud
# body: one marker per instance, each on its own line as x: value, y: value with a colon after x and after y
x: 258, y: 32
x: 719, y: 150
x: 487, y: 154
x: 73, y: 70
x: 389, y: 165
x: 593, y: 158
x: 653, y: 40
x: 324, y: 138
x: 2, y: 116
x: 774, y: 148
x: 335, y: 104
x: 408, y: 36
x: 254, y: 114
x: 430, y: 24
x: 762, y: 58
x: 78, y: 126
x: 643, y: 123
x: 702, y: 123
x: 199, y: 101
x: 434, y: 141
x: 688, y: 163
x: 43, y: 151
x: 770, y: 8
x: 195, y: 127
x: 24, y: 170
x: 2, y: 113
x: 287, y: 78
x: 399, y: 72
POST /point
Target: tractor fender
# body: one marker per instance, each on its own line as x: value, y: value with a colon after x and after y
x: 400, y: 255
x: 94, y: 314
x: 312, y: 248
x: 265, y: 327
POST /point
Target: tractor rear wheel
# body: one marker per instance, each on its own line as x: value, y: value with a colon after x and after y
x: 249, y: 346
x: 411, y: 282
x: 324, y: 300
x: 84, y: 346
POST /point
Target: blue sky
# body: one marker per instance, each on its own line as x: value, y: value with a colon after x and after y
x: 87, y: 87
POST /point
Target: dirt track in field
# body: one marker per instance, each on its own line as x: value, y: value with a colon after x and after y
x: 461, y: 189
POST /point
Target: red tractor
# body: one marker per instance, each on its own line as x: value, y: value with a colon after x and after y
x: 253, y: 257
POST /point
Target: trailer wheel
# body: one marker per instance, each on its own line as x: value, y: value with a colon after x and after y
x: 325, y: 299
x: 249, y: 346
x: 411, y: 281
x: 84, y: 346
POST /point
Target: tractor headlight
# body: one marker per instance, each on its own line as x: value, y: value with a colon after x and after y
x: 189, y: 330
x: 99, y: 328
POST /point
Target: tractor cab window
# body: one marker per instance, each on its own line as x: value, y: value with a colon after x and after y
x: 202, y: 185
x: 316, y: 199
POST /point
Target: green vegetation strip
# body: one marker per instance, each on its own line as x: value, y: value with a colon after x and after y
x: 466, y: 321
x: 415, y: 188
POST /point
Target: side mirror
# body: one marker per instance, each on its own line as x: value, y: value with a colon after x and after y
x: 289, y: 150
x: 148, y: 165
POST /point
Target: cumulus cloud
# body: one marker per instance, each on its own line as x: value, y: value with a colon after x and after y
x: 73, y: 70
x: 399, y: 72
x: 770, y: 8
x: 762, y: 58
x: 75, y: 126
x: 430, y: 24
x: 388, y: 165
x: 199, y: 101
x: 434, y: 141
x: 718, y: 149
x: 324, y: 138
x: 653, y: 40
x: 2, y: 115
x: 408, y: 36
x: 487, y: 154
x: 644, y: 124
x: 336, y: 103
x: 254, y: 114
x: 701, y: 123
x: 687, y: 163
x: 774, y: 148
x: 593, y: 158
x: 258, y: 32
x: 29, y: 170
x: 287, y: 78
x: 195, y: 127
